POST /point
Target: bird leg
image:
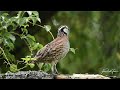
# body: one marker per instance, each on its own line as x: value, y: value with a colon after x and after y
x: 54, y: 69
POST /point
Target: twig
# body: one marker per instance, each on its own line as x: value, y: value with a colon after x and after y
x: 43, y: 27
x: 51, y: 34
x: 5, y: 55
x: 15, y: 33
x: 37, y: 24
x: 22, y: 67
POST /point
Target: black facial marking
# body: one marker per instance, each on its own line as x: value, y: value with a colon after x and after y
x: 62, y: 30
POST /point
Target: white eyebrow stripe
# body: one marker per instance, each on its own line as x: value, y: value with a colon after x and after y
x: 63, y: 26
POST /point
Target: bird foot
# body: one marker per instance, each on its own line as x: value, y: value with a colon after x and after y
x: 54, y: 75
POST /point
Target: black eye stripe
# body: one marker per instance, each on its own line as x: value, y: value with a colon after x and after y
x: 61, y: 31
x: 65, y: 33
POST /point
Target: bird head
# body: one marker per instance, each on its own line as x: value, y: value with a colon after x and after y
x: 63, y: 30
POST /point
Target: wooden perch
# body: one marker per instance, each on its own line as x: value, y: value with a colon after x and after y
x: 43, y: 75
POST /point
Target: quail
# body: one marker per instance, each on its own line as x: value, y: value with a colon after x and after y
x: 55, y: 50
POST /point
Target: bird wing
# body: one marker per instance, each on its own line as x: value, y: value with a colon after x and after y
x: 43, y: 52
x: 49, y: 49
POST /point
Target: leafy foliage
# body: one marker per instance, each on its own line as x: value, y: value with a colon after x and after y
x: 9, y: 26
x: 72, y: 50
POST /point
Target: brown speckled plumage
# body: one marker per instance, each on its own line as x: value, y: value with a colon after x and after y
x: 55, y: 50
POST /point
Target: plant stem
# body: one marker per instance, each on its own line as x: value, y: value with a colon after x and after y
x: 27, y: 44
x: 15, y: 33
x: 21, y: 13
x: 37, y: 24
x: 5, y: 55
x: 22, y: 67
x: 43, y: 27
x: 51, y: 34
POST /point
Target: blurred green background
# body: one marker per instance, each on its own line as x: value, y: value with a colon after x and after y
x: 95, y: 35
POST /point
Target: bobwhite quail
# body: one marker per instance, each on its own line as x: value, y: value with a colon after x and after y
x: 55, y: 50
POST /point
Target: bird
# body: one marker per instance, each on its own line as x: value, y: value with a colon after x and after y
x: 56, y: 50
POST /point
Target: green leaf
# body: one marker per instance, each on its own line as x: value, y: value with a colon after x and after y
x: 10, y: 56
x: 22, y: 21
x: 35, y: 13
x: 46, y: 67
x: 8, y: 39
x: 1, y: 40
x: 27, y: 19
x: 31, y: 65
x: 11, y: 45
x: 31, y: 37
x: 29, y: 12
x: 23, y: 36
x: 31, y: 40
x: 13, y: 19
x: 26, y: 25
x: 0, y: 52
x: 4, y: 25
x: 24, y: 30
x: 47, y: 27
x: 8, y: 36
x: 37, y: 46
x: 19, y: 14
x: 12, y: 37
x: 8, y: 43
x: 40, y: 65
x: 39, y: 19
x: 55, y: 22
x: 28, y: 58
x: 72, y: 50
x: 13, y: 68
x: 5, y: 14
x: 34, y: 19
x: 40, y: 46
